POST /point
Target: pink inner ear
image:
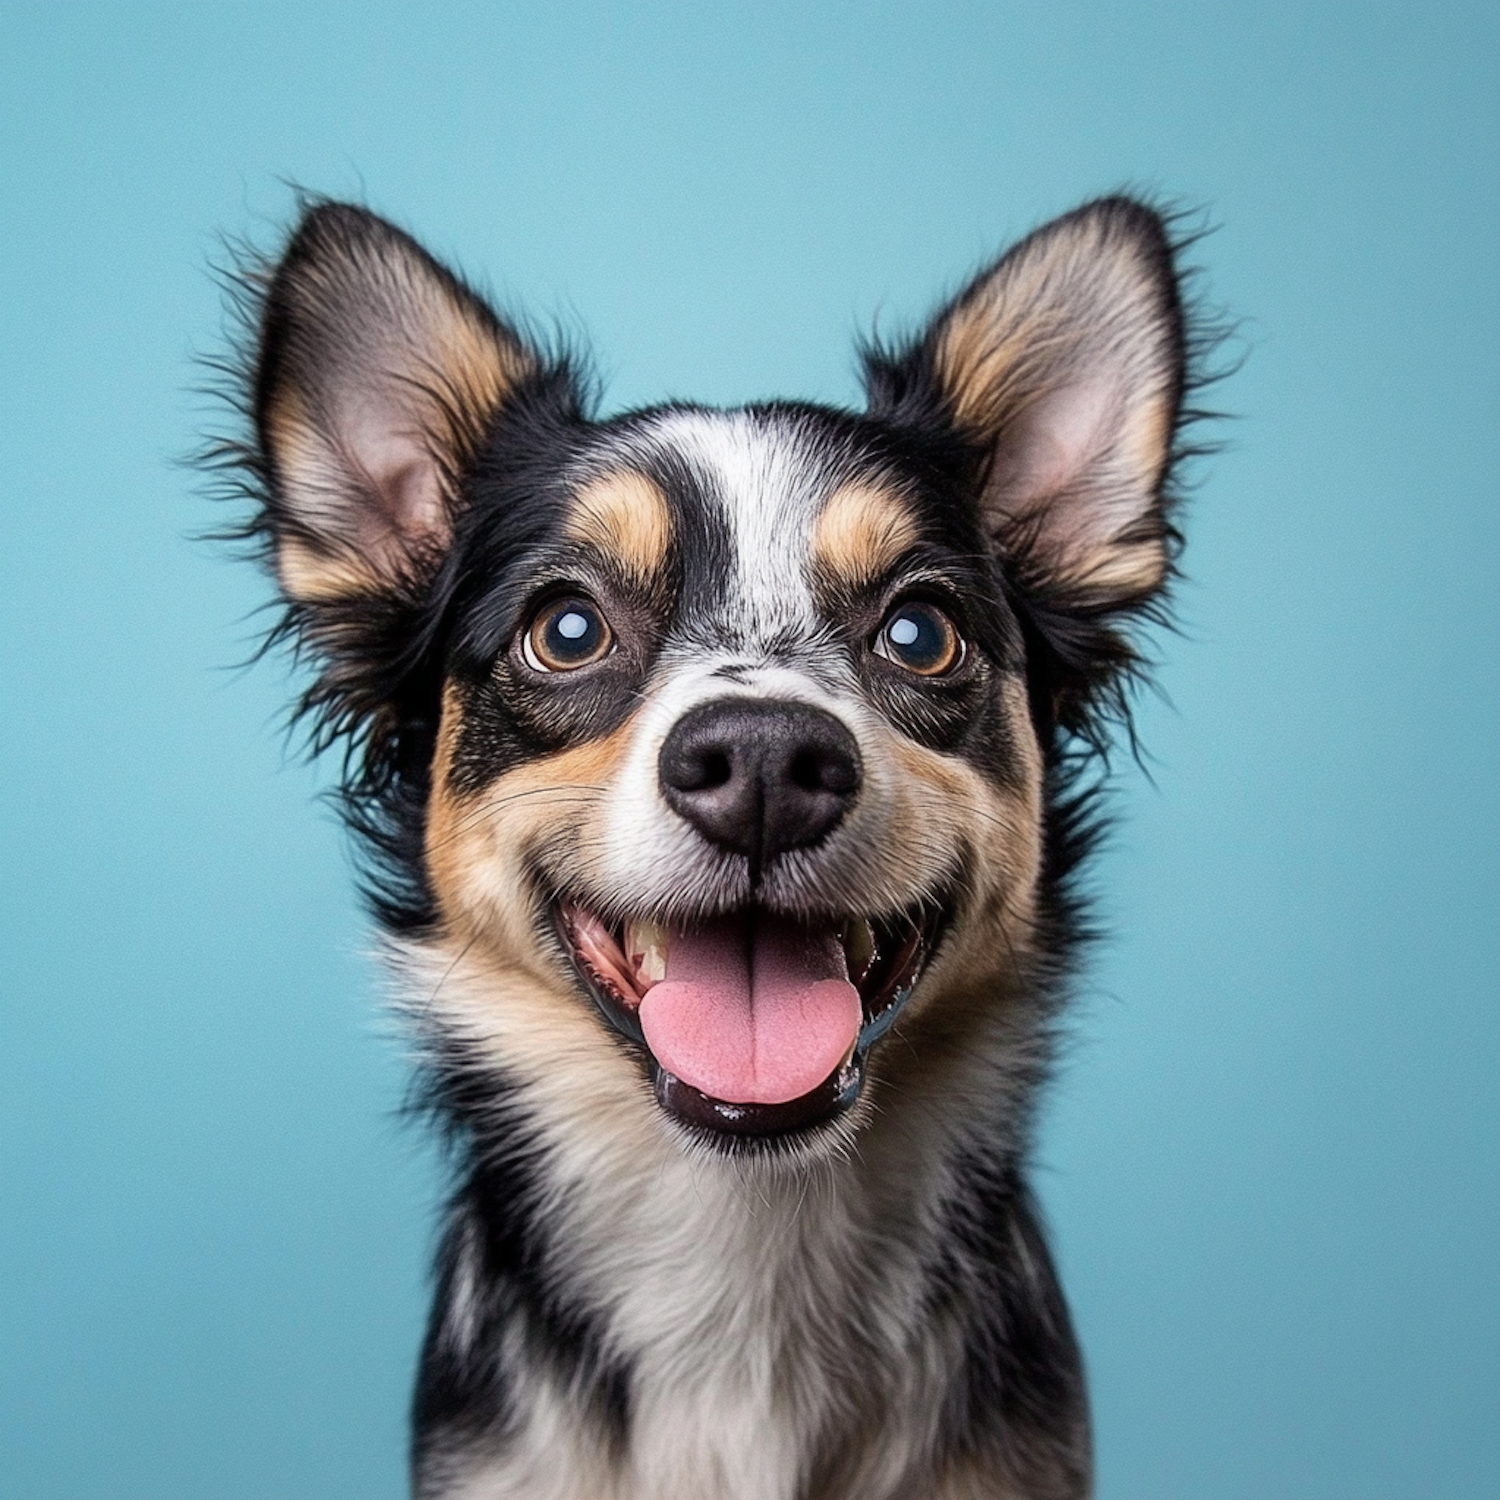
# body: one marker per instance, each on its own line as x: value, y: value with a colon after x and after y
x: 1054, y: 443
x: 415, y: 498
x: 402, y: 474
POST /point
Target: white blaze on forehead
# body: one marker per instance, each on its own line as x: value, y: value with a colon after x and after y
x: 769, y: 480
x: 765, y: 480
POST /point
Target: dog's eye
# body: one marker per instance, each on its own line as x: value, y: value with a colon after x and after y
x: 565, y: 635
x: 921, y: 638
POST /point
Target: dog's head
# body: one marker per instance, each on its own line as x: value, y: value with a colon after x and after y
x: 719, y: 742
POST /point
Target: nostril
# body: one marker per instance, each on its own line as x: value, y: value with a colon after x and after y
x: 822, y: 768
x: 686, y: 767
x: 715, y: 769
x: 805, y: 772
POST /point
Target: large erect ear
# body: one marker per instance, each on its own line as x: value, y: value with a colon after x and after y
x: 378, y: 373
x: 1064, y: 363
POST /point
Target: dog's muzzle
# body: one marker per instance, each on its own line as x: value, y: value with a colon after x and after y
x: 754, y: 1022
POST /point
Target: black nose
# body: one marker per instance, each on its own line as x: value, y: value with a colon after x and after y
x: 760, y: 777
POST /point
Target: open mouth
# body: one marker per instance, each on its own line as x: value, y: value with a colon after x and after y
x: 752, y: 1024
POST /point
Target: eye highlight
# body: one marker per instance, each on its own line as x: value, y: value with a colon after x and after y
x: 566, y: 634
x: 919, y: 638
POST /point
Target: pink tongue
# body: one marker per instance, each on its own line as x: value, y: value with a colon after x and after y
x: 758, y: 1024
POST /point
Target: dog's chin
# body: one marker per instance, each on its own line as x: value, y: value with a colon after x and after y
x: 878, y: 960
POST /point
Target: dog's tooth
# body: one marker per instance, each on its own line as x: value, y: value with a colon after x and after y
x: 859, y: 947
x: 646, y: 945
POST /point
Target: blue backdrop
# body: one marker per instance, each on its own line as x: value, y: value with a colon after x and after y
x: 1270, y: 1161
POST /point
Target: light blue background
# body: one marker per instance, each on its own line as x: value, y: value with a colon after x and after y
x: 1271, y: 1159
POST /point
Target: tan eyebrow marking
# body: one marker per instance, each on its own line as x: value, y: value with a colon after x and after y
x: 862, y: 531
x: 625, y: 516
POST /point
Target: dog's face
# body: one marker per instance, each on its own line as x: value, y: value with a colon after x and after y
x: 744, y: 729
x: 719, y: 740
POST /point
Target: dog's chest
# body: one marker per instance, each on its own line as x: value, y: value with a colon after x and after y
x: 755, y: 1326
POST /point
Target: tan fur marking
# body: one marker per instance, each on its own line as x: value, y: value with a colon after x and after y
x: 624, y: 516
x: 989, y: 948
x: 501, y: 987
x: 1015, y: 332
x: 313, y: 577
x: 1147, y: 442
x: 472, y: 369
x: 1136, y: 569
x: 861, y: 532
x: 480, y: 847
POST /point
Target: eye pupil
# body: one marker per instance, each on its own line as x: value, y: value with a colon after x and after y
x: 573, y: 634
x: 921, y: 638
x: 568, y: 634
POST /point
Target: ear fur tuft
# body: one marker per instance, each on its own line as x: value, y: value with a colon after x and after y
x: 1065, y: 360
x: 378, y: 373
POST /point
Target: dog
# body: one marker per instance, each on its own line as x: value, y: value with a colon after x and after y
x: 723, y: 778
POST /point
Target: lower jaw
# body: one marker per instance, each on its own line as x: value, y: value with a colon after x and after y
x: 830, y: 1099
x: 737, y: 1126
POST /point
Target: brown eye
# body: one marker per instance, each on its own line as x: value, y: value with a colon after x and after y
x: 921, y: 638
x: 565, y: 635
